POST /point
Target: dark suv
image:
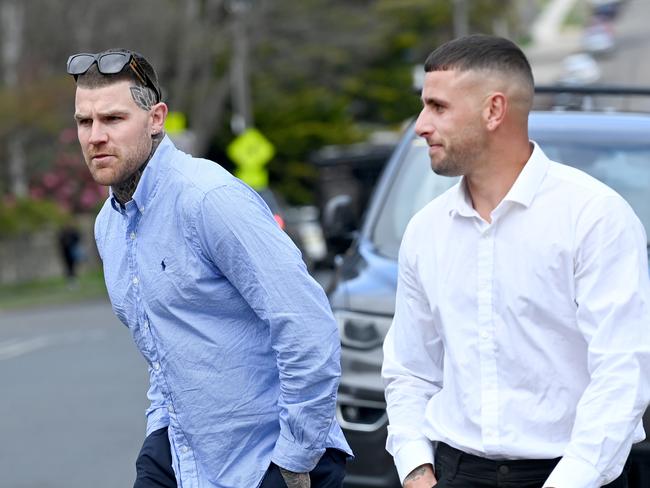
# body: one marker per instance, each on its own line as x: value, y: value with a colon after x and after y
x: 613, y: 147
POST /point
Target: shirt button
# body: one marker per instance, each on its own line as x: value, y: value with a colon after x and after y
x: 485, y: 334
x: 156, y: 365
x: 184, y: 449
x: 503, y: 469
x: 141, y: 209
x: 170, y: 409
x: 135, y: 280
x: 146, y: 324
x: 132, y: 235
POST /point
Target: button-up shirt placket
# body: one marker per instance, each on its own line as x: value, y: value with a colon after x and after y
x: 142, y: 327
x: 182, y: 456
x: 486, y: 334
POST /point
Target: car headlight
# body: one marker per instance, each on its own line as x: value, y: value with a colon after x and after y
x: 362, y: 330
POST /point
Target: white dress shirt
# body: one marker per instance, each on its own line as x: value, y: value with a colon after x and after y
x: 527, y: 337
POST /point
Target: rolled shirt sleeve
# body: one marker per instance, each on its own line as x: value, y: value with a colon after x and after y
x: 240, y: 236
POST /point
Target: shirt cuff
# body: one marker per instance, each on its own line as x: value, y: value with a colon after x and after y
x: 412, y: 455
x: 157, y: 419
x: 294, y: 457
x: 573, y: 472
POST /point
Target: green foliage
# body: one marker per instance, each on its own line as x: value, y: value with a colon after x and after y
x: 38, y: 106
x: 325, y: 70
x: 297, y: 124
x: 24, y: 216
x: 322, y: 72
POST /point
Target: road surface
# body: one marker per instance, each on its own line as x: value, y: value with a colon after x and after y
x: 73, y: 399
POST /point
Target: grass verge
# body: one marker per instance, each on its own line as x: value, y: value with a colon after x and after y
x: 53, y: 291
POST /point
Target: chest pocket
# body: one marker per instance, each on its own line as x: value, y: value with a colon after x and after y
x: 173, y: 280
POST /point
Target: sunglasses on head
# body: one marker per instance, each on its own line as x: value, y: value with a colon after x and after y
x: 110, y: 64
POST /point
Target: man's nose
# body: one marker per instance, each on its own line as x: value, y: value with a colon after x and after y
x: 98, y: 134
x: 423, y: 125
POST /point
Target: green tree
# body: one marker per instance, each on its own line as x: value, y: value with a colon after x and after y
x: 329, y: 71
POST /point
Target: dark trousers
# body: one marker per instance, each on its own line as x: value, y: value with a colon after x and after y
x: 154, y: 467
x: 328, y: 473
x: 154, y: 464
x: 456, y: 469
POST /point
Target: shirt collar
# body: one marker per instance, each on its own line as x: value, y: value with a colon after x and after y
x: 151, y: 177
x: 461, y: 204
x: 523, y: 190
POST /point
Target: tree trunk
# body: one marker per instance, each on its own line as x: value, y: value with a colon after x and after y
x: 461, y: 18
x: 11, y: 18
x: 242, y: 117
x: 17, y: 164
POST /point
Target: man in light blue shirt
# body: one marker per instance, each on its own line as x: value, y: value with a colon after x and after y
x: 242, y: 348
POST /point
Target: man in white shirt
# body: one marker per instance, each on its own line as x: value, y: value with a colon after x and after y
x: 519, y: 355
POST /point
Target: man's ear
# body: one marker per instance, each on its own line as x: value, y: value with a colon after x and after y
x: 495, y: 110
x: 158, y: 115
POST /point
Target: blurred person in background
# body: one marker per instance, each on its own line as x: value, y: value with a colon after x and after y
x: 69, y: 239
x: 519, y: 353
x: 242, y: 348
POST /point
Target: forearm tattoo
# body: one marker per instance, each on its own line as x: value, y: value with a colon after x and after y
x: 123, y: 192
x: 295, y: 480
x: 144, y: 97
x: 416, y: 474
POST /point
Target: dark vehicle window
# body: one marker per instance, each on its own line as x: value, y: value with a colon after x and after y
x: 625, y: 167
x: 414, y: 186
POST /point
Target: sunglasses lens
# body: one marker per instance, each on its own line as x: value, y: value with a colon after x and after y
x: 109, y: 64
x: 112, y: 63
x: 79, y: 63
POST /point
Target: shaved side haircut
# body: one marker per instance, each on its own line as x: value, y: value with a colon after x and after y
x: 480, y: 52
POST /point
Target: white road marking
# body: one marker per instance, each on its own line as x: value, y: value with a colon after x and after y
x: 20, y: 346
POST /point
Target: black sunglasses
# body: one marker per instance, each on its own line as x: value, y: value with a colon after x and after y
x: 109, y: 64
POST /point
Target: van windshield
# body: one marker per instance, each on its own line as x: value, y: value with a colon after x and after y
x: 625, y: 167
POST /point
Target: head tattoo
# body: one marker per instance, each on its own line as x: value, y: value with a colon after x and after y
x: 143, y: 96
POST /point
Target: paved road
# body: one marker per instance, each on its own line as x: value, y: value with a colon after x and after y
x: 73, y: 399
x: 628, y: 64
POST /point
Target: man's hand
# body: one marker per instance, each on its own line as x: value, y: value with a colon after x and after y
x: 421, y: 477
x: 295, y: 480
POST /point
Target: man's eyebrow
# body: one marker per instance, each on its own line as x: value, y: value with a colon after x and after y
x: 433, y: 101
x: 109, y: 113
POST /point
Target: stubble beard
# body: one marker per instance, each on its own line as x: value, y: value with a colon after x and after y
x: 461, y: 153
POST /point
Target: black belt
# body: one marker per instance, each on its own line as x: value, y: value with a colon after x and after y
x: 450, y: 461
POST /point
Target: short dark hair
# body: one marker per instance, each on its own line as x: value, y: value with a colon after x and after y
x: 94, y: 79
x: 480, y: 52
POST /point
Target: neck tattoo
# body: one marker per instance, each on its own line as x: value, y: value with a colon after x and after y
x: 123, y: 192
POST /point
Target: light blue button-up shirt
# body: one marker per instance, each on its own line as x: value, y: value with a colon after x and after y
x: 242, y: 348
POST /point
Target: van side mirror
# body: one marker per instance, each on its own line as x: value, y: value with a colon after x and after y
x: 339, y: 223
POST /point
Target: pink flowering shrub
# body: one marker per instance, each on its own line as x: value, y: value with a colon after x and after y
x: 68, y: 181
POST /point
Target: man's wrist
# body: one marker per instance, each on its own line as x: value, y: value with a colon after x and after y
x: 295, y: 480
x: 420, y: 477
x: 411, y: 455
